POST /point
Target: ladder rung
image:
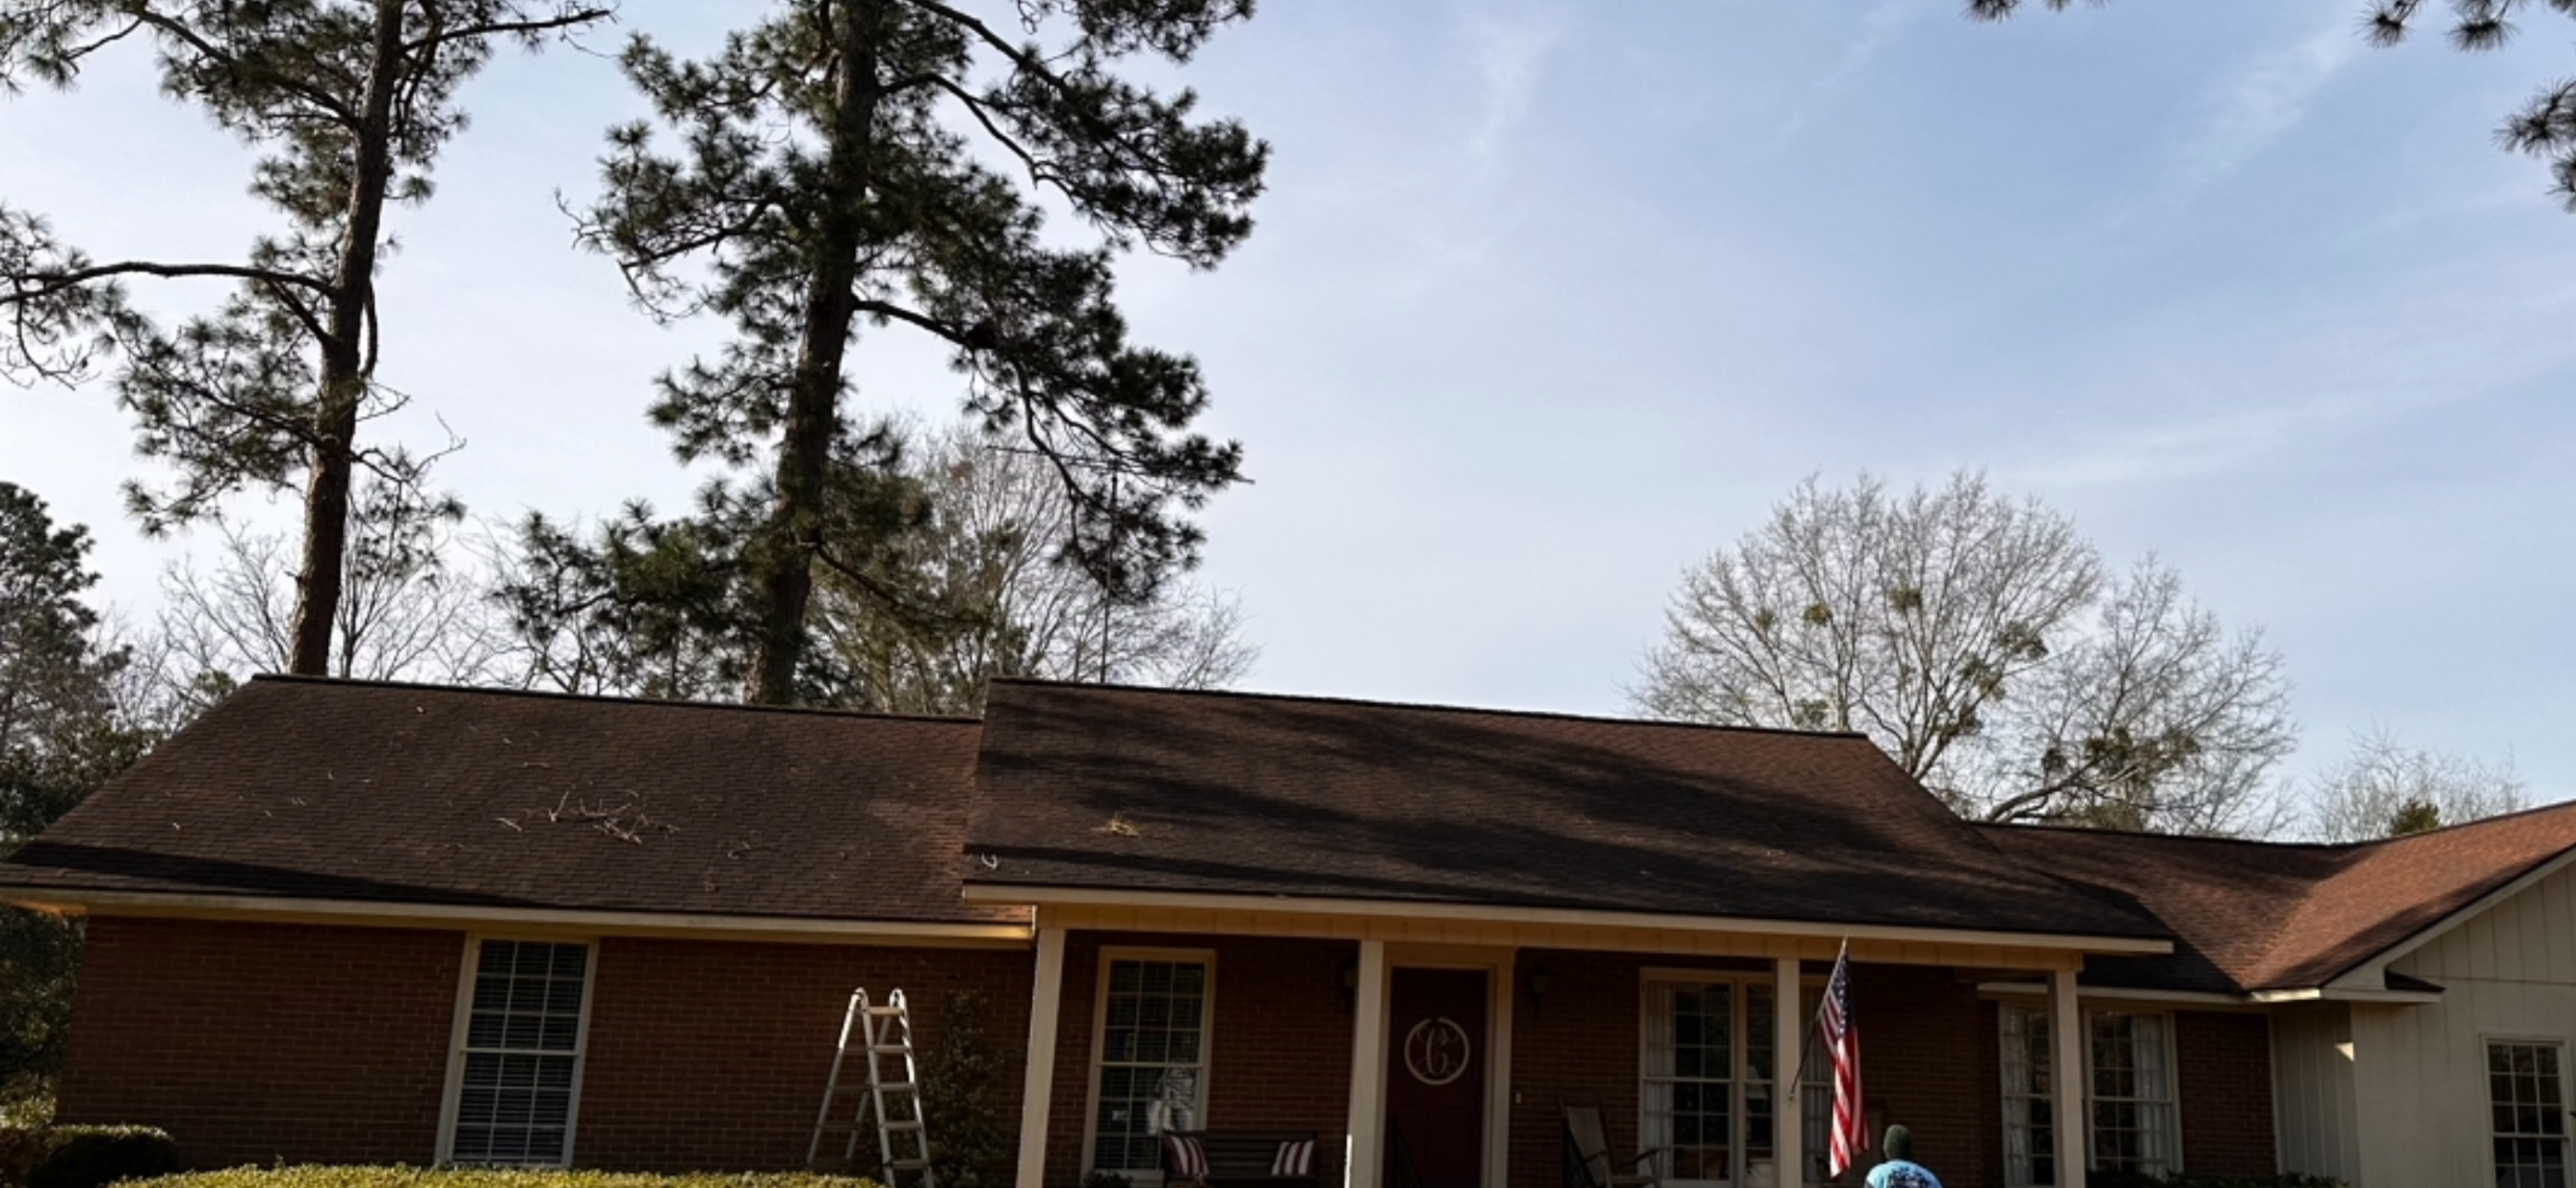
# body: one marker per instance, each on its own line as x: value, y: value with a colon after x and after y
x: 904, y: 1124
x: 896, y: 1087
x: 886, y: 1012
x: 890, y: 1049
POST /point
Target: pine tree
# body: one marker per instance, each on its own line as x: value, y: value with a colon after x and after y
x: 830, y: 173
x: 349, y: 101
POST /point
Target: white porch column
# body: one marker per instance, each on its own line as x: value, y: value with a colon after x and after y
x: 1366, y: 1156
x: 1038, y: 1091
x: 2066, y: 1060
x: 1788, y: 1050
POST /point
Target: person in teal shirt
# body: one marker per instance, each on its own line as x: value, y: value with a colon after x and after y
x: 1900, y: 1170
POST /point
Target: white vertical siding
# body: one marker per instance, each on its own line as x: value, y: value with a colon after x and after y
x: 2314, y: 1088
x: 2420, y: 1072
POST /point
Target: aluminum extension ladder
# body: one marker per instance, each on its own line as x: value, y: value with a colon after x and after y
x: 873, y: 1034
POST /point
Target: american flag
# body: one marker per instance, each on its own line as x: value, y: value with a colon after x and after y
x: 1842, y: 1046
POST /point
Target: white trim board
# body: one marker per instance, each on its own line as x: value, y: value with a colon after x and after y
x: 1402, y: 909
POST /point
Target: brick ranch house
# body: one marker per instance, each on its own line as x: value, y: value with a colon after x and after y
x: 350, y: 922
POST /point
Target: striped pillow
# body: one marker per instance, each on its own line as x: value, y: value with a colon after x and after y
x: 1183, y: 1159
x: 1296, y: 1158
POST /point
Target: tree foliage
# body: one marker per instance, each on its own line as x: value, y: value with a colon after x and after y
x: 2384, y: 788
x: 2545, y: 127
x: 827, y: 170
x: 63, y: 732
x: 990, y: 554
x: 1979, y: 642
x: 966, y: 581
x: 349, y: 102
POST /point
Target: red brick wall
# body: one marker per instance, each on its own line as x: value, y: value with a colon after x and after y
x: 1923, y: 1047
x: 709, y: 1055
x: 1280, y: 1056
x: 253, y: 1043
x: 2225, y: 1080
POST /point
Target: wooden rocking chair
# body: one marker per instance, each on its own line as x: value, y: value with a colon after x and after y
x: 1587, y: 1154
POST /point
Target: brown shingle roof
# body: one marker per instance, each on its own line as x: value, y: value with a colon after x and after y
x: 2267, y: 916
x: 1108, y: 788
x: 342, y: 790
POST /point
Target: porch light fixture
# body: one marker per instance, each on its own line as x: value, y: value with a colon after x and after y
x: 1538, y: 986
x: 1351, y: 986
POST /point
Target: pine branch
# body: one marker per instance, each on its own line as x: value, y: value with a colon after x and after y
x: 531, y: 28
x: 49, y: 283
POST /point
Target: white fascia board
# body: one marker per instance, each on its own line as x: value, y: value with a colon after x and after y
x: 1580, y: 917
x: 418, y: 915
x: 2349, y: 994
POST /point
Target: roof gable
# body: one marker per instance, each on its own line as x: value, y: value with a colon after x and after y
x: 2251, y: 916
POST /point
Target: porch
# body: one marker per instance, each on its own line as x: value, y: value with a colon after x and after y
x: 1450, y: 1041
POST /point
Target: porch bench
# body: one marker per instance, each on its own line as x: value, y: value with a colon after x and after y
x: 1246, y: 1158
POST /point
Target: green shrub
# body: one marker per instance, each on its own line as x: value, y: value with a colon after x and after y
x: 328, y: 1176
x: 95, y: 1156
x: 20, y: 1148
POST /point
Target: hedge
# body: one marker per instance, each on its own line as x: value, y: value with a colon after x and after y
x: 84, y: 1156
x: 327, y: 1176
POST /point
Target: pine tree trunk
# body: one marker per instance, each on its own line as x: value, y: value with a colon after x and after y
x: 333, y: 457
x: 784, y: 560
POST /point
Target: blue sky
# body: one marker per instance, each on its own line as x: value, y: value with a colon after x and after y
x: 1550, y: 300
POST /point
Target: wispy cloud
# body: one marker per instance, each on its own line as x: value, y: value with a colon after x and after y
x: 1511, y: 52
x: 2261, y: 104
x: 1878, y: 28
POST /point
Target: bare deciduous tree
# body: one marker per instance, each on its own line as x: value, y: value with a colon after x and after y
x: 994, y: 550
x: 2385, y: 788
x: 410, y: 608
x: 1976, y: 640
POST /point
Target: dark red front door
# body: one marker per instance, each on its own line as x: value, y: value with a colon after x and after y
x: 1435, y: 1077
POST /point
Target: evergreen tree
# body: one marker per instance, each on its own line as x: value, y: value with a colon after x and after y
x: 349, y: 101
x: 830, y: 172
x: 62, y: 734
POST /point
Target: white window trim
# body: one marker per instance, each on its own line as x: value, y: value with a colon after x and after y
x: 2173, y: 1082
x: 1108, y: 955
x: 1740, y: 1075
x: 451, y: 1095
x: 2565, y: 1054
x: 2173, y: 1076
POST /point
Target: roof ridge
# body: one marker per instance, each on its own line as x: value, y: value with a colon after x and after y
x: 1420, y: 706
x: 283, y: 678
x: 2153, y: 836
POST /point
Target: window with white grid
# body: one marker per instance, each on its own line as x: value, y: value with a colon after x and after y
x: 2129, y: 1094
x: 1150, y: 1068
x: 2528, y: 1099
x: 1690, y: 1079
x: 2133, y: 1094
x: 2030, y: 1113
x: 1707, y: 1099
x: 520, y: 1062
